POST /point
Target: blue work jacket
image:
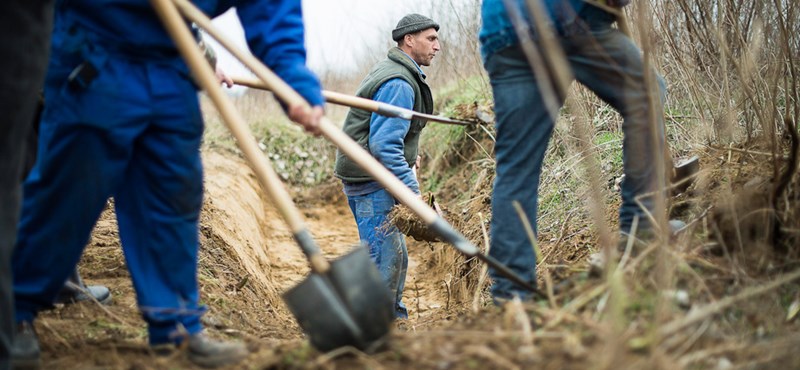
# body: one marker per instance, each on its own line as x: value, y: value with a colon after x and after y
x: 131, y: 29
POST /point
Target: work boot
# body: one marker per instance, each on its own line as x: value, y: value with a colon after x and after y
x: 208, y: 352
x: 75, y: 290
x: 25, y: 351
x: 643, y: 237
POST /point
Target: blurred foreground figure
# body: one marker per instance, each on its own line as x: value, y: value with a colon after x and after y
x: 25, y: 27
x: 122, y: 119
x: 603, y: 59
x: 398, y: 80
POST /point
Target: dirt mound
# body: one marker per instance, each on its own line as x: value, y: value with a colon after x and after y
x: 236, y: 273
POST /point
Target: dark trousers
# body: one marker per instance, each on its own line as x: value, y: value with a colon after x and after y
x: 607, y: 62
x: 25, y: 26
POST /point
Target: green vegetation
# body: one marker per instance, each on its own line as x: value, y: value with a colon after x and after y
x: 296, y: 156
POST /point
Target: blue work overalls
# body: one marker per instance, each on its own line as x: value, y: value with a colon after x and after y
x: 122, y: 120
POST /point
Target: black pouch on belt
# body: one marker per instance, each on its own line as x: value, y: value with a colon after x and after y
x: 82, y: 75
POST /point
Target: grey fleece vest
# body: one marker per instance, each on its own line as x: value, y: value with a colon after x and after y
x: 356, y: 125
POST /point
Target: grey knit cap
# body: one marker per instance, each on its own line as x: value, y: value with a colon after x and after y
x: 413, y: 23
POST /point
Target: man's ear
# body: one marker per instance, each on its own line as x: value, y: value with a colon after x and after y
x: 408, y: 39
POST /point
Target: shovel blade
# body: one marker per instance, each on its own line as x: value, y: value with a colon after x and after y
x: 363, y: 290
x: 347, y: 306
x: 322, y: 315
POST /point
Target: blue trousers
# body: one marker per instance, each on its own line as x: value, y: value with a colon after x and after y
x: 387, y: 245
x: 608, y: 63
x: 132, y: 133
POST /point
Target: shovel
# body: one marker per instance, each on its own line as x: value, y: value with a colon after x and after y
x: 369, y: 105
x: 344, y: 303
x: 354, y: 151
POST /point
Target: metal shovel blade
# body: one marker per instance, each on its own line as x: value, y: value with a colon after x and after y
x: 362, y: 288
x: 349, y: 305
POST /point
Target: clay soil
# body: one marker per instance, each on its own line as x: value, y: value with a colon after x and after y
x: 248, y: 258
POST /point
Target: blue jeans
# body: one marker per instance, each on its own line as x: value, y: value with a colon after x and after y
x: 608, y: 63
x: 387, y: 245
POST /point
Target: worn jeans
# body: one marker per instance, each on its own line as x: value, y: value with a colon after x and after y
x: 607, y: 62
x: 25, y: 26
x: 387, y: 245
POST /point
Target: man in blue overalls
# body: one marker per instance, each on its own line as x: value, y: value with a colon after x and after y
x: 122, y: 119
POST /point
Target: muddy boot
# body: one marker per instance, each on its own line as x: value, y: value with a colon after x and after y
x: 208, y: 352
x: 75, y: 290
x: 25, y: 351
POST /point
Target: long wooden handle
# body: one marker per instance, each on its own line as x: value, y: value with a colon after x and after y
x: 290, y: 97
x: 285, y: 92
x: 267, y: 175
x: 330, y: 96
x: 368, y: 105
x: 261, y: 165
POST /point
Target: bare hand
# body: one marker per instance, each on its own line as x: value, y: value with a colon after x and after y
x: 309, y: 119
x: 223, y: 78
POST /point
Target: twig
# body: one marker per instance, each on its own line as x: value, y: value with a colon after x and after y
x: 488, y: 133
x: 561, y: 235
x: 515, y: 314
x: 496, y: 334
x: 713, y: 308
x: 327, y: 357
x: 56, y: 334
x: 688, y: 343
x: 628, y: 245
x: 577, y: 303
x: 484, y: 268
x: 489, y: 354
x: 416, y: 293
x: 706, y: 353
x: 536, y: 250
x: 447, y: 285
x: 548, y: 283
x: 745, y: 151
x: 92, y: 298
x: 526, y: 223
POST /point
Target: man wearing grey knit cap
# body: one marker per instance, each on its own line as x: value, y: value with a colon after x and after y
x: 398, y: 80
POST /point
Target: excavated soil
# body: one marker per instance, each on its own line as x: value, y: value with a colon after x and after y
x: 248, y: 257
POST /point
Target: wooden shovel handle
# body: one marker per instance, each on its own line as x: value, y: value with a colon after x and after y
x: 330, y: 96
x: 291, y: 98
x: 269, y: 179
x: 368, y: 105
x: 260, y: 164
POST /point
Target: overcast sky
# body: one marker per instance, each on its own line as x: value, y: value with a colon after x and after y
x: 339, y: 32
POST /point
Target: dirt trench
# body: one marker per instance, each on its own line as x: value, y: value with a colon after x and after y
x: 247, y: 258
